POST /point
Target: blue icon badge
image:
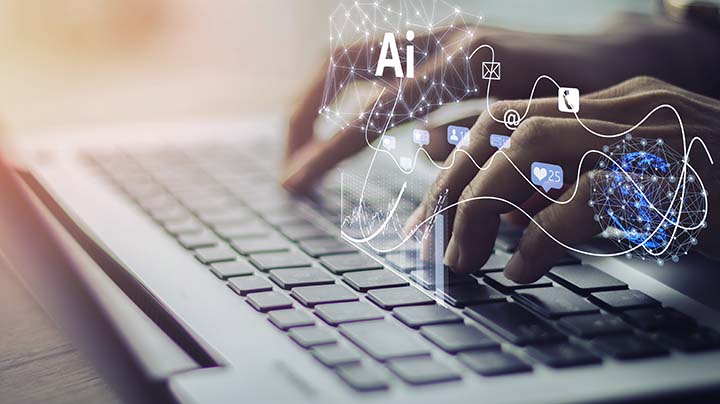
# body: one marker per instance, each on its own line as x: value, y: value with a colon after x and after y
x: 456, y: 134
x: 499, y: 141
x: 421, y: 137
x: 547, y: 176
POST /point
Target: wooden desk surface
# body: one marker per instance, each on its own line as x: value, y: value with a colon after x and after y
x: 37, y: 363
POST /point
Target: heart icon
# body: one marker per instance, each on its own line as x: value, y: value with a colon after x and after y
x: 539, y: 173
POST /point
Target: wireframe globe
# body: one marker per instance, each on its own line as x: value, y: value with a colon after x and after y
x: 648, y: 199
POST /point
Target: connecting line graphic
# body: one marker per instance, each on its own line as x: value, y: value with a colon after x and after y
x: 686, y: 152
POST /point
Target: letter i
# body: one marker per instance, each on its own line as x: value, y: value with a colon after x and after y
x: 410, y: 56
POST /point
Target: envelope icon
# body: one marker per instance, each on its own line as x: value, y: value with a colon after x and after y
x: 491, y: 70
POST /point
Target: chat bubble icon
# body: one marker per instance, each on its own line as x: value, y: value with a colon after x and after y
x: 499, y: 141
x: 389, y: 143
x: 421, y: 137
x: 456, y: 134
x: 545, y: 175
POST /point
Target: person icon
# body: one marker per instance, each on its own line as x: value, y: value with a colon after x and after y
x: 453, y: 137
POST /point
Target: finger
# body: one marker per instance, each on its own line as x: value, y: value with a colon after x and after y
x: 505, y: 181
x: 354, y: 65
x: 532, y: 206
x: 569, y: 224
x: 302, y: 119
x: 391, y: 107
x: 628, y: 108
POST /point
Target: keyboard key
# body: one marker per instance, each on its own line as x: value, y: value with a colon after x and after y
x: 249, y: 284
x: 619, y: 300
x: 493, y: 363
x: 284, y: 218
x: 514, y: 323
x: 426, y: 278
x: 402, y: 261
x: 311, y: 295
x: 266, y: 301
x: 562, y: 355
x: 375, y: 279
x: 361, y: 378
x: 247, y: 246
x: 422, y: 371
x: 658, y: 318
x: 192, y: 241
x: 294, y: 277
x: 211, y: 255
x: 167, y: 215
x: 308, y: 337
x: 593, y: 325
x: 695, y: 340
x: 568, y: 259
x: 467, y: 294
x: 336, y: 355
x: 503, y: 284
x: 298, y: 232
x: 287, y: 319
x: 454, y: 338
x: 184, y: 227
x: 239, y: 230
x: 225, y: 270
x: 291, y: 259
x: 554, y: 302
x: 584, y: 279
x: 339, y: 313
x: 628, y: 346
x: 390, y: 298
x: 383, y: 340
x: 226, y: 216
x: 339, y: 264
x: 326, y: 246
x: 418, y: 316
x: 496, y: 262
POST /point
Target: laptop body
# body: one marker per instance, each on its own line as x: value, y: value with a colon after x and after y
x: 234, y: 348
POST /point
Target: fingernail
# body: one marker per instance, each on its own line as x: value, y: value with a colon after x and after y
x: 293, y: 180
x: 515, y: 268
x: 452, y: 254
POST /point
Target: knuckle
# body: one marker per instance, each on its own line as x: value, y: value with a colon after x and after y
x: 645, y: 81
x: 533, y: 132
x: 662, y: 95
x: 498, y: 108
x: 464, y: 209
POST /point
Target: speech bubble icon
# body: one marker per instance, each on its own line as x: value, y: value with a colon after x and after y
x: 545, y: 175
x: 499, y: 141
x: 389, y: 143
x: 421, y: 137
x: 455, y: 134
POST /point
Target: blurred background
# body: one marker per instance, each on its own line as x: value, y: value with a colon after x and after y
x: 89, y: 62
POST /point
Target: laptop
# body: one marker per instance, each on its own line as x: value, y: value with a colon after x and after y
x: 202, y: 281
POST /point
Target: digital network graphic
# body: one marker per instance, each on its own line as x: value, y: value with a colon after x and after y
x: 380, y: 43
x: 645, y: 196
x: 647, y: 199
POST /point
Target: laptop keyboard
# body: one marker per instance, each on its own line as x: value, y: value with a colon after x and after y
x: 347, y: 309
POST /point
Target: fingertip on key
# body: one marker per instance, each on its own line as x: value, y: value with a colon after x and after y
x: 452, y: 254
x: 518, y: 271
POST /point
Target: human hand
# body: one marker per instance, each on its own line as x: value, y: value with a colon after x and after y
x: 633, y: 39
x: 548, y: 135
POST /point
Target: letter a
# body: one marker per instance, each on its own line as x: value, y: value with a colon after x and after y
x: 394, y: 61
